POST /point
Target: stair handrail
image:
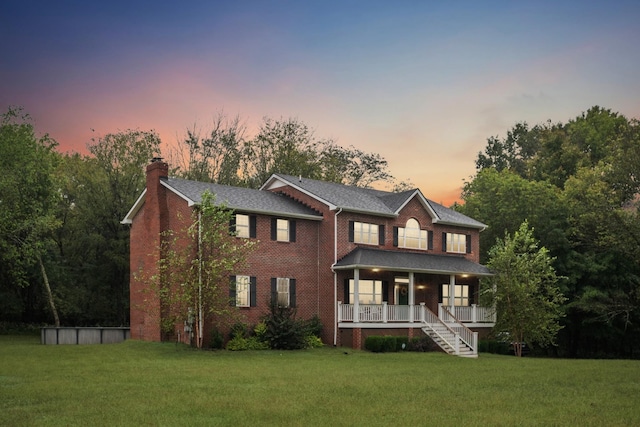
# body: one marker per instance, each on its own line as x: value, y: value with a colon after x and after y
x: 468, y: 336
x: 431, y: 317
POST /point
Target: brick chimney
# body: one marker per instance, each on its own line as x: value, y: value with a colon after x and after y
x: 146, y: 235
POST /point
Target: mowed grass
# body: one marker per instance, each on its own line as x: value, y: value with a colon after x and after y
x: 138, y: 383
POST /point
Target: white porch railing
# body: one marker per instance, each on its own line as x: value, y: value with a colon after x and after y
x: 406, y: 313
x: 475, y: 314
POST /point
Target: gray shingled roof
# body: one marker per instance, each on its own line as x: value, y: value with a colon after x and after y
x: 410, y: 261
x: 449, y: 216
x: 241, y: 199
x: 376, y: 202
x: 342, y: 196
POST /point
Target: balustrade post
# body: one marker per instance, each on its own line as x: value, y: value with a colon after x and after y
x: 422, y: 313
x: 339, y: 311
x: 440, y: 315
x: 475, y: 343
x: 474, y: 313
x: 385, y: 315
x: 356, y: 295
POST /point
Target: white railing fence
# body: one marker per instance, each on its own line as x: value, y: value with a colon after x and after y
x: 406, y: 313
x: 475, y: 314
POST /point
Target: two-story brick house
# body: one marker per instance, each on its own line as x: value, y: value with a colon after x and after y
x: 364, y: 261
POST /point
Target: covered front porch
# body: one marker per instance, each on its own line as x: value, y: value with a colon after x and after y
x: 409, y: 290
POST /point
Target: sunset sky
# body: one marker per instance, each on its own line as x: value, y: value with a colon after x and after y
x: 422, y: 83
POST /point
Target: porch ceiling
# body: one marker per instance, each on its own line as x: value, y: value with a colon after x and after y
x: 365, y: 258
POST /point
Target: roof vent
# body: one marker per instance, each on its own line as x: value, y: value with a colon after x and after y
x: 156, y: 159
x: 300, y: 178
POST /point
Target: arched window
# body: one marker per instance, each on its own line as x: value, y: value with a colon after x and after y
x: 411, y: 236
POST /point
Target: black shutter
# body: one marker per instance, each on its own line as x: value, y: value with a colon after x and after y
x: 385, y: 291
x: 381, y: 235
x: 274, y: 228
x: 395, y: 236
x: 292, y: 293
x: 274, y: 290
x: 468, y: 243
x: 252, y: 226
x: 292, y: 230
x: 430, y: 240
x: 253, y: 298
x: 232, y: 290
x: 444, y: 242
x: 440, y: 293
x: 232, y: 224
x: 472, y: 295
x: 351, y: 232
x: 346, y: 291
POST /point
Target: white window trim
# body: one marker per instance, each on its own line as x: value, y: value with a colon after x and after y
x: 243, y: 230
x: 243, y: 287
x: 283, y: 226
x: 423, y: 236
x: 459, y: 299
x: 456, y: 243
x: 375, y: 297
x: 283, y: 287
x: 367, y: 237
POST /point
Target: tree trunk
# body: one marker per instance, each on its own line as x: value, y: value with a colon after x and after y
x: 49, y: 293
x: 517, y: 348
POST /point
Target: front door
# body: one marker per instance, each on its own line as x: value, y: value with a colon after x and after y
x: 403, y: 295
x: 401, y: 291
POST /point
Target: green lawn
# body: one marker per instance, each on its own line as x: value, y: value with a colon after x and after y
x: 136, y: 383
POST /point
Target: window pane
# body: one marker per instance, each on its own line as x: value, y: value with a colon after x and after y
x: 283, y: 292
x: 365, y: 233
x: 456, y: 243
x: 242, y: 225
x: 412, y: 236
x: 369, y: 291
x: 461, y: 295
x: 282, y: 226
x: 242, y: 291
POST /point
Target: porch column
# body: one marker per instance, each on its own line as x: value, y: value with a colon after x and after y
x: 452, y: 294
x: 412, y: 299
x: 356, y: 295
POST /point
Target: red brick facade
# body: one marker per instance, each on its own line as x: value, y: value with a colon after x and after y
x: 308, y: 260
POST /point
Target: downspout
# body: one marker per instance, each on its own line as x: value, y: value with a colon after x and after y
x: 200, y: 321
x: 335, y: 277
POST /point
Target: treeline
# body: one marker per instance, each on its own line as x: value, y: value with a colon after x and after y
x: 578, y: 185
x: 64, y: 255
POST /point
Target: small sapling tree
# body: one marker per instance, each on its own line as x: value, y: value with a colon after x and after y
x: 193, y: 274
x: 524, y: 290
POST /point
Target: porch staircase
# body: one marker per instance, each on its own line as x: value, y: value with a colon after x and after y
x: 452, y: 337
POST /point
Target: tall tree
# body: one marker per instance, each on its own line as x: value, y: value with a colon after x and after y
x: 524, y: 290
x: 215, y: 157
x: 577, y: 184
x: 281, y: 146
x: 120, y: 161
x: 27, y: 196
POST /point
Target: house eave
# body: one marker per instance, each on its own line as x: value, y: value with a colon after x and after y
x: 479, y: 227
x: 128, y: 218
x: 409, y: 270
